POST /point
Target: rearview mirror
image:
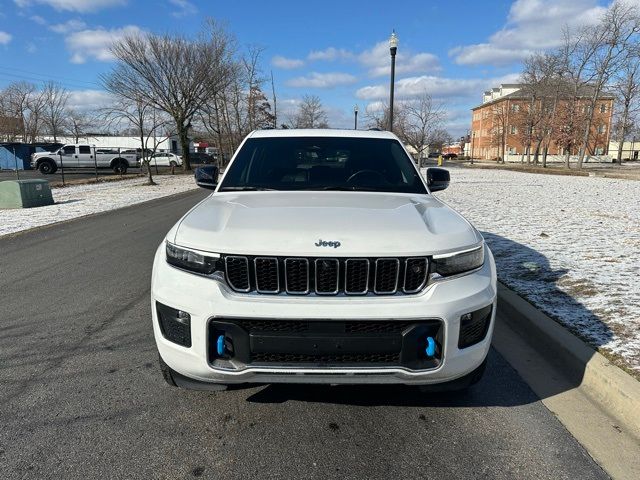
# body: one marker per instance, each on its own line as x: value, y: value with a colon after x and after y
x: 437, y: 179
x: 207, y: 177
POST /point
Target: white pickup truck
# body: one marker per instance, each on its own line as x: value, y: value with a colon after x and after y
x: 83, y: 156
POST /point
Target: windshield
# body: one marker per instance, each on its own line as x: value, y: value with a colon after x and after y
x: 323, y: 163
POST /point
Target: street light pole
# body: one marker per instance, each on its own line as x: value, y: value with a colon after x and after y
x: 393, y: 48
x: 355, y: 117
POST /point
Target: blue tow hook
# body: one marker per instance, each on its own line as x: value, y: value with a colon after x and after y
x: 431, y: 347
x: 220, y: 345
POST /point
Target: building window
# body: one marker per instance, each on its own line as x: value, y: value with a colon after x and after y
x: 515, y: 108
x: 599, y: 150
x: 512, y: 151
x: 602, y: 129
x: 513, y: 130
x: 603, y: 108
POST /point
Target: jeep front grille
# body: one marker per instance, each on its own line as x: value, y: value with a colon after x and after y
x: 326, y: 276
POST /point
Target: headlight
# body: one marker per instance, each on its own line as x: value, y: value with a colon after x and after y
x: 452, y: 264
x: 191, y: 260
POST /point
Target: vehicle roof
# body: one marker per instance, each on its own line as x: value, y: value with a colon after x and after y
x: 321, y: 132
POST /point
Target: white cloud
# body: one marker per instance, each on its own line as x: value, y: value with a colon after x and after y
x: 31, y: 47
x: 532, y: 25
x: 377, y: 60
x: 437, y: 87
x: 87, y: 44
x: 184, y: 8
x: 69, y: 26
x: 89, y: 100
x: 330, y: 54
x: 38, y: 19
x: 286, y: 63
x: 73, y: 5
x: 322, y: 80
x: 5, y: 38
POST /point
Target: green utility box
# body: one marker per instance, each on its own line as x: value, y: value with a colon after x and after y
x: 25, y: 193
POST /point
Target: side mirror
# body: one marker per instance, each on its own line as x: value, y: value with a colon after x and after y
x: 207, y: 177
x: 437, y: 179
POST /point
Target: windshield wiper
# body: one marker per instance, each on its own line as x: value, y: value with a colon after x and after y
x: 245, y: 189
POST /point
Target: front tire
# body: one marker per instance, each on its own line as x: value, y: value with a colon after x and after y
x: 173, y: 164
x: 47, y: 167
x: 459, y: 384
x: 166, y: 372
x: 120, y: 166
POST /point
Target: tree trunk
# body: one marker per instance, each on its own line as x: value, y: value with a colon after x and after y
x: 587, y: 130
x: 144, y: 158
x: 184, y: 144
x: 544, y: 156
x: 567, y: 158
x: 621, y: 135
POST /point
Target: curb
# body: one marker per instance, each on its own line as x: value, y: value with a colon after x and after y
x: 615, y: 391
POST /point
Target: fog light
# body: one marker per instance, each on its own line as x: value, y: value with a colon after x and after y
x: 183, y: 317
x: 474, y: 326
x: 175, y: 325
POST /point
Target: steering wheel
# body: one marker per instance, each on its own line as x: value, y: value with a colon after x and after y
x: 368, y: 177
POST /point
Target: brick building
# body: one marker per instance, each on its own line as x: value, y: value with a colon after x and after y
x: 502, y: 122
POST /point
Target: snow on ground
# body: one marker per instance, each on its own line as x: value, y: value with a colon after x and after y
x: 78, y: 201
x: 570, y: 245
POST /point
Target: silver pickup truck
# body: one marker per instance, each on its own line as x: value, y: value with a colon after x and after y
x: 83, y: 156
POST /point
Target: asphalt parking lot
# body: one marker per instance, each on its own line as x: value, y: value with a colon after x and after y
x: 82, y: 397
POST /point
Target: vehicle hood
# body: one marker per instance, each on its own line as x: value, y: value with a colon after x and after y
x: 294, y: 223
x: 42, y: 154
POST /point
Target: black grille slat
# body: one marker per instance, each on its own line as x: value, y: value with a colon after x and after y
x: 296, y: 272
x: 267, y: 275
x: 415, y: 274
x: 237, y: 271
x: 356, y: 276
x: 387, y: 270
x: 327, y: 275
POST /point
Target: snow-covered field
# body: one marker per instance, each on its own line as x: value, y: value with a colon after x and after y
x: 81, y: 200
x: 570, y: 245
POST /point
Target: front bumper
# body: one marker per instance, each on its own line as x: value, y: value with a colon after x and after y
x: 211, y: 303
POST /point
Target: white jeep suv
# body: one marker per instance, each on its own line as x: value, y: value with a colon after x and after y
x: 323, y: 257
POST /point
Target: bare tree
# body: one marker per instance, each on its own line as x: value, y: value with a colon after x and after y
x: 439, y: 138
x: 78, y: 123
x: 499, y: 117
x: 172, y: 73
x: 150, y: 125
x: 55, y: 98
x: 605, y: 48
x: 627, y: 91
x: 275, y: 102
x: 417, y: 122
x: 310, y: 114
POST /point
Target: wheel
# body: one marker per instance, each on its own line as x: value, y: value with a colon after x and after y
x: 166, y: 372
x: 459, y: 384
x: 46, y: 167
x: 176, y: 380
x: 120, y: 166
x: 173, y: 164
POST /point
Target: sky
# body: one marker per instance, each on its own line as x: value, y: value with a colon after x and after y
x: 337, y: 50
